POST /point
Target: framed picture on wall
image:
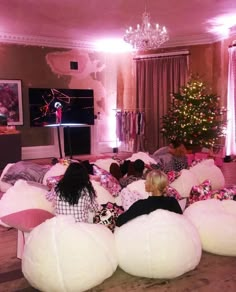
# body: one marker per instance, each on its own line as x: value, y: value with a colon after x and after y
x: 11, y: 101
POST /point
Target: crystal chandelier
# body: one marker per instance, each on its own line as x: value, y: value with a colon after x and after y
x: 145, y: 36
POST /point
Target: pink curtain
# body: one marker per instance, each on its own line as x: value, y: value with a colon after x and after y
x: 230, y: 143
x: 156, y: 79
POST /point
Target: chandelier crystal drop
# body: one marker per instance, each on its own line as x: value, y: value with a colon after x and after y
x: 146, y: 37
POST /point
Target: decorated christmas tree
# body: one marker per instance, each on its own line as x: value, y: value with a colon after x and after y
x: 194, y: 116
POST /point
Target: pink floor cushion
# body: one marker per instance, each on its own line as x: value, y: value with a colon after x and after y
x: 61, y: 255
x: 215, y: 221
x: 161, y: 245
x: 26, y: 220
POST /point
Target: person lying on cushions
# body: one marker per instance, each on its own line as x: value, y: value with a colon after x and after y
x: 156, y: 184
x: 135, y: 173
x: 179, y: 158
x: 176, y: 158
x: 75, y: 194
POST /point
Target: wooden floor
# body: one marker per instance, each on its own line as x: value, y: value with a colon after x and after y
x: 213, y: 274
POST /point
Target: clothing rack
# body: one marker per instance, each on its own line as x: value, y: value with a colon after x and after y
x: 130, y: 127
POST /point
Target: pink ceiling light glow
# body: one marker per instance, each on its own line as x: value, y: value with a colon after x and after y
x: 112, y: 46
x: 222, y: 25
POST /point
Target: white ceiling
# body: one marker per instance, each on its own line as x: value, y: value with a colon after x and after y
x: 73, y: 23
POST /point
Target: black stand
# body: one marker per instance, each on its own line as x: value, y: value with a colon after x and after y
x: 227, y: 158
x: 59, y: 140
x: 69, y: 142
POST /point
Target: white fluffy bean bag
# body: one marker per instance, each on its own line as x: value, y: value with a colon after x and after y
x: 207, y: 169
x: 103, y: 195
x: 145, y: 157
x: 184, y: 183
x: 216, y: 223
x: 23, y: 196
x: 161, y: 244
x: 61, y: 255
x: 105, y: 163
x: 3, y: 185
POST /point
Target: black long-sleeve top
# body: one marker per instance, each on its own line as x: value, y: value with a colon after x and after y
x: 147, y: 206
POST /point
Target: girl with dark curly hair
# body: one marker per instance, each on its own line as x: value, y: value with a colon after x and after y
x: 75, y: 194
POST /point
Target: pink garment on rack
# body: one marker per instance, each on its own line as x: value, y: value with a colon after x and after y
x: 118, y: 125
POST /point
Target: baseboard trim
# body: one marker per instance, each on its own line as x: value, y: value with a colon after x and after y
x: 36, y: 152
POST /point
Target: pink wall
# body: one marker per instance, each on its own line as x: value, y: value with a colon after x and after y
x: 111, y: 77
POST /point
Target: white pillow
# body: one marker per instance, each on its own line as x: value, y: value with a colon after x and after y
x: 3, y: 185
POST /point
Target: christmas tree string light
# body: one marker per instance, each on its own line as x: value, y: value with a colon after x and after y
x: 194, y: 116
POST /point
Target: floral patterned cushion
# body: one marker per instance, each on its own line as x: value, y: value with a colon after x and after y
x: 200, y: 192
x: 173, y: 175
x: 108, y: 181
x: 224, y: 194
x: 52, y: 181
x: 204, y: 191
x: 172, y: 192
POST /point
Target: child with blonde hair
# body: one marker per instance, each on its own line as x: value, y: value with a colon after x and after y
x: 155, y: 184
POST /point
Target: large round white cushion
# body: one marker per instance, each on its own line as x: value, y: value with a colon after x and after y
x: 22, y: 196
x: 103, y: 195
x: 145, y: 157
x: 56, y: 170
x: 216, y: 223
x: 61, y: 255
x: 184, y: 183
x: 162, y: 244
x: 3, y: 185
x: 105, y: 163
x: 207, y: 169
